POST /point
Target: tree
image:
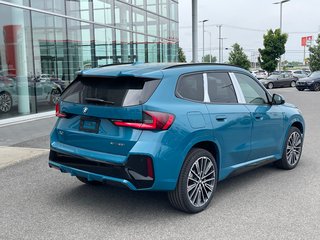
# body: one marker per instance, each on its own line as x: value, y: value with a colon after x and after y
x: 314, y: 59
x: 181, y: 56
x: 238, y: 58
x: 274, y: 46
x: 207, y: 57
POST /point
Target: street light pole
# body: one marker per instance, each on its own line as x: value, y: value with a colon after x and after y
x: 210, y: 60
x: 194, y: 31
x: 203, y: 21
x: 219, y: 26
x: 281, y: 2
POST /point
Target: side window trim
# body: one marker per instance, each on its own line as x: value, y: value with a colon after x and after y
x: 237, y: 88
x: 205, y: 88
x: 178, y: 94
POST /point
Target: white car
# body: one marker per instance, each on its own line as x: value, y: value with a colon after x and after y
x: 260, y: 74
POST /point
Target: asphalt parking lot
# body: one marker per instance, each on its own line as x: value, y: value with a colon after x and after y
x: 267, y: 203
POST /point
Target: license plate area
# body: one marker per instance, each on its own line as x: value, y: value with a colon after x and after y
x: 89, y: 124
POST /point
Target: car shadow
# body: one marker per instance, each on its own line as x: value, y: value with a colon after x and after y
x: 122, y: 203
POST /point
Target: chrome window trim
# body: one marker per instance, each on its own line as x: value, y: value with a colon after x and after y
x: 237, y: 88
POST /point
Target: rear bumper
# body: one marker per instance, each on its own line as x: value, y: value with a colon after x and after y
x: 133, y: 174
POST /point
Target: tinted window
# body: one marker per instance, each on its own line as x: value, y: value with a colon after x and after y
x: 110, y: 91
x: 191, y: 87
x: 220, y: 88
x: 252, y: 91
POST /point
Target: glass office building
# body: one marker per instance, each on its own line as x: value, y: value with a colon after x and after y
x: 43, y: 43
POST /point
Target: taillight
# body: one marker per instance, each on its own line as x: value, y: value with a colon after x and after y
x: 151, y: 121
x: 58, y: 113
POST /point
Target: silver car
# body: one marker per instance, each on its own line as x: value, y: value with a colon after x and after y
x: 46, y: 91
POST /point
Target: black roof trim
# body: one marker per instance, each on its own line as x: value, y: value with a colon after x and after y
x: 115, y: 64
x: 198, y: 64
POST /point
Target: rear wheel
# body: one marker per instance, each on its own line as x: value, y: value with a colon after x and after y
x: 5, y: 102
x: 197, y: 182
x: 293, y: 84
x: 292, y: 151
x: 86, y: 181
x: 54, y: 96
x: 270, y: 85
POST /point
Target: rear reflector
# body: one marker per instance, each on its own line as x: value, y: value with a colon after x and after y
x: 151, y: 121
x: 150, y: 167
x: 58, y: 113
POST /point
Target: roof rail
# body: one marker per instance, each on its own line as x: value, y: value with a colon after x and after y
x: 115, y: 64
x: 197, y: 64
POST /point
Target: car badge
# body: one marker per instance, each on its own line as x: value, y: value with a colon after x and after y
x: 85, y: 110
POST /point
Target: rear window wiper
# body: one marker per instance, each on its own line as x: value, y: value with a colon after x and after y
x: 98, y: 100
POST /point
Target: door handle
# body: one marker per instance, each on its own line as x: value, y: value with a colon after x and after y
x: 259, y: 117
x: 221, y: 118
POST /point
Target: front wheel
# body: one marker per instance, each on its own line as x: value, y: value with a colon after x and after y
x: 316, y: 87
x: 197, y: 182
x: 293, y: 84
x: 270, y: 85
x: 292, y: 151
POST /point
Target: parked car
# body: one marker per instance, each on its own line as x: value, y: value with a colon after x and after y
x: 297, y: 73
x: 179, y: 128
x: 312, y: 82
x: 260, y: 74
x: 281, y: 80
x: 7, y: 93
x: 46, y: 91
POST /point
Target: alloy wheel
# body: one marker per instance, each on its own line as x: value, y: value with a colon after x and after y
x: 317, y: 86
x: 270, y: 85
x: 201, y: 181
x: 5, y: 102
x: 293, y: 84
x: 55, y: 96
x: 294, y: 147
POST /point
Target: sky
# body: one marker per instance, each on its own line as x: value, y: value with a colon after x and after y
x: 245, y: 22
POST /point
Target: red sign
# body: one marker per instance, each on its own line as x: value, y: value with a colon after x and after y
x: 306, y: 41
x: 303, y: 41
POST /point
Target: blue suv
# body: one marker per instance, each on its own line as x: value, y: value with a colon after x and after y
x: 179, y: 128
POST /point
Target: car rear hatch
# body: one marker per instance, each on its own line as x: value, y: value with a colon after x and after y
x: 93, y: 110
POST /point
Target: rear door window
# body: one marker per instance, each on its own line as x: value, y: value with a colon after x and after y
x: 220, y: 88
x: 122, y: 91
x: 191, y: 87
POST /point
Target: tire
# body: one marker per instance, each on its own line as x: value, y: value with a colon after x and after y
x: 5, y: 102
x: 292, y: 150
x: 54, y: 96
x: 270, y: 85
x: 201, y: 184
x: 293, y: 84
x: 316, y: 87
x: 86, y: 181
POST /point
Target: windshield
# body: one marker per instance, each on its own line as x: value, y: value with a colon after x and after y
x: 315, y: 74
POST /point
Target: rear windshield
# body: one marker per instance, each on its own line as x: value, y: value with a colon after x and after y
x: 121, y: 91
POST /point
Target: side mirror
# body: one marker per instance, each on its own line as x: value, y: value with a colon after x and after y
x: 277, y: 99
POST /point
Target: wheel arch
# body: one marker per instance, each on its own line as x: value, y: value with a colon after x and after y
x: 298, y: 125
x: 211, y: 147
